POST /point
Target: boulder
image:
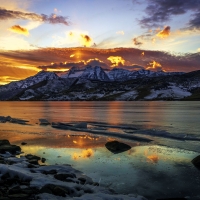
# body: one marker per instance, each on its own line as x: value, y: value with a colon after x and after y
x: 196, y: 162
x: 117, y: 147
x: 5, y: 146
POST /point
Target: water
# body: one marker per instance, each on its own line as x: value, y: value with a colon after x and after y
x: 158, y: 169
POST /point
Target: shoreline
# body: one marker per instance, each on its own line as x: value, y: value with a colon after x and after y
x: 24, y: 178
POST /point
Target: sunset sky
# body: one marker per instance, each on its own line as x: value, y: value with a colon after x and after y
x: 55, y: 35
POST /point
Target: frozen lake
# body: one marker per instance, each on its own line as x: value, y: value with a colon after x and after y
x: 157, y: 169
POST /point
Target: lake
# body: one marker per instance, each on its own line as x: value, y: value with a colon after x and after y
x: 157, y: 169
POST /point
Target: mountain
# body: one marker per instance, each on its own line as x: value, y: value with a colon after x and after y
x: 118, y: 74
x: 95, y: 83
x: 87, y: 73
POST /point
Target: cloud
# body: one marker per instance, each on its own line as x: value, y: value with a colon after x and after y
x: 137, y: 42
x: 198, y: 50
x: 51, y: 19
x: 14, y: 43
x: 164, y: 33
x: 97, y: 62
x: 140, y: 40
x: 62, y: 66
x: 29, y: 60
x: 194, y: 23
x: 75, y: 36
x: 116, y: 61
x: 159, y: 12
x: 85, y: 40
x: 154, y: 66
x: 120, y: 32
x: 20, y: 30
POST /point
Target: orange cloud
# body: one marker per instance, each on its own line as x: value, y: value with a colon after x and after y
x: 154, y: 66
x: 82, y: 38
x: 164, y: 33
x: 20, y: 30
x: 85, y: 40
x: 116, y: 60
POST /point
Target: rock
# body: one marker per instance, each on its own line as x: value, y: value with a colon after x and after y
x: 44, y: 122
x: 53, y: 171
x: 81, y: 125
x: 18, y: 196
x: 33, y: 161
x: 31, y: 157
x: 10, y: 148
x: 117, y: 147
x: 15, y: 190
x: 23, y: 143
x: 6, y: 146
x: 59, y: 191
x: 196, y: 162
x: 4, y: 142
x: 85, y: 180
x: 63, y: 177
x: 47, y: 189
x: 5, y: 176
x: 43, y: 160
x: 31, y: 166
x: 82, y: 180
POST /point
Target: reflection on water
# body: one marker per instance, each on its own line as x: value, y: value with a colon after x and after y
x: 135, y: 171
x: 149, y: 169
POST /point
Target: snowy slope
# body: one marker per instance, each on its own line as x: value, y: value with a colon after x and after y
x: 118, y: 74
x: 39, y: 77
x: 74, y: 72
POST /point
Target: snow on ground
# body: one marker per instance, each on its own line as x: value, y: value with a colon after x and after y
x: 131, y: 95
x: 63, y: 177
x: 172, y: 92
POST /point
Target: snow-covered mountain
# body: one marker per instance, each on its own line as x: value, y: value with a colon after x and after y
x: 95, y: 83
x: 87, y: 73
x: 118, y: 74
x: 39, y: 77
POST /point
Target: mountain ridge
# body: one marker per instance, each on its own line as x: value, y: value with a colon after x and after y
x: 95, y: 83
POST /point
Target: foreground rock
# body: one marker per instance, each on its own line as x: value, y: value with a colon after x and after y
x: 5, y: 146
x: 117, y: 147
x: 196, y: 162
x: 23, y: 178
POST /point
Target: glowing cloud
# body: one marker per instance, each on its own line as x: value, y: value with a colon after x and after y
x: 198, y: 50
x: 116, y: 60
x: 20, y: 30
x: 85, y: 40
x: 164, y: 33
x: 82, y: 38
x: 71, y: 56
x: 154, y: 66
